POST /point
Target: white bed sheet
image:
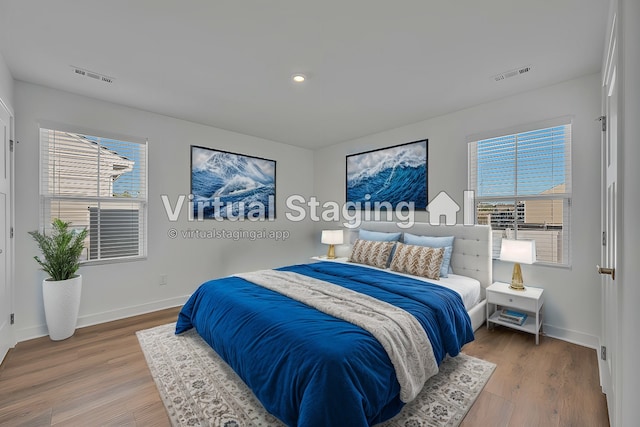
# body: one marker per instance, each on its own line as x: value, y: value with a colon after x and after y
x: 467, y: 287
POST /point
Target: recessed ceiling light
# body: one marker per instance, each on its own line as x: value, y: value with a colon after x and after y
x: 298, y: 78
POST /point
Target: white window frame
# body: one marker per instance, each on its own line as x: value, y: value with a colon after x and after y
x: 518, y: 201
x: 49, y: 197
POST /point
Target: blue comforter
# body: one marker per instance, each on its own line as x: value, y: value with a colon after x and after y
x: 311, y: 369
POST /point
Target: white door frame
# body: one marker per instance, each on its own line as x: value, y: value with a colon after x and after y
x: 7, y: 335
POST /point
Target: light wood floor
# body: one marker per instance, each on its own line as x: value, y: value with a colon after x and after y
x: 99, y: 377
x: 553, y: 384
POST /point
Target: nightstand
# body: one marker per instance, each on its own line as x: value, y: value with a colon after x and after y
x: 324, y: 258
x: 529, y: 301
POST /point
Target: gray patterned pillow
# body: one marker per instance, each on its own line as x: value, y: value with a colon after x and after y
x: 371, y: 253
x: 418, y: 260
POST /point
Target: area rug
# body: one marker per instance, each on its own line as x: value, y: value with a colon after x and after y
x: 199, y: 389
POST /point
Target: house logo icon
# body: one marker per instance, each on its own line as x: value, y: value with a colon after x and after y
x: 442, y: 205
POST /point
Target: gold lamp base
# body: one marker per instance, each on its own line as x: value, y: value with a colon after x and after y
x: 331, y: 254
x: 516, y: 278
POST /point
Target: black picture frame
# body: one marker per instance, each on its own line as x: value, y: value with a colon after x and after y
x: 392, y: 175
x: 227, y: 185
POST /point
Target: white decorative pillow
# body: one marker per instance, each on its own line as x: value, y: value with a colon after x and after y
x: 418, y: 260
x: 371, y: 253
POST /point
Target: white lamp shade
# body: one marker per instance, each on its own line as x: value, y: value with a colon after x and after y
x: 332, y: 237
x: 521, y: 251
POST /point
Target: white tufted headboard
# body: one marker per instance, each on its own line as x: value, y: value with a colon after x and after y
x: 472, y: 247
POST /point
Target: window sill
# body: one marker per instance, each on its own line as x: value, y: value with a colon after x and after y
x: 112, y: 261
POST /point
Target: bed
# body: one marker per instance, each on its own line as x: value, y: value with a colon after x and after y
x: 311, y: 367
x: 472, y: 253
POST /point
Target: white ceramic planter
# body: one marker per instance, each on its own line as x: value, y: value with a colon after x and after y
x: 61, y: 306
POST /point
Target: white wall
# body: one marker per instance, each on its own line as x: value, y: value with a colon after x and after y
x: 117, y: 290
x: 572, y: 295
x: 123, y: 289
x: 6, y: 84
x: 629, y: 261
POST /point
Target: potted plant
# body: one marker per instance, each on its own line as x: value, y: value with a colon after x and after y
x: 61, y: 290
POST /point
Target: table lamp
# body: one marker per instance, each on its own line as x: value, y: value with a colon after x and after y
x: 331, y: 238
x: 518, y: 251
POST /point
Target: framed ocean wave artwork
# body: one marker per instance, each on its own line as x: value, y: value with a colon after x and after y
x: 233, y: 186
x: 386, y: 177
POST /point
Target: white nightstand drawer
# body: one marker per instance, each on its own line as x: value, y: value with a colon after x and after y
x: 514, y: 301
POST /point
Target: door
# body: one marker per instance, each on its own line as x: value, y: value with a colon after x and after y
x: 6, y: 264
x: 610, y: 215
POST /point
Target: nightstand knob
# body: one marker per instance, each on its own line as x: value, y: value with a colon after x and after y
x: 510, y: 299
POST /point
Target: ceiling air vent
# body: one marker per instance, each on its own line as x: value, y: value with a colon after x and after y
x: 512, y: 73
x: 92, y: 75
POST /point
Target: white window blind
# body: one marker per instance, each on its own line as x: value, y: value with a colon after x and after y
x: 99, y: 184
x: 522, y: 184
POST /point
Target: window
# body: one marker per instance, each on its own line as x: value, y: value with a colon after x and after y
x: 97, y: 183
x: 522, y: 185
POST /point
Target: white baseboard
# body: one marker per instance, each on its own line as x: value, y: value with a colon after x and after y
x: 106, y: 316
x: 573, y: 337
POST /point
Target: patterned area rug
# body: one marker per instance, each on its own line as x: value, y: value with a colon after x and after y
x: 199, y: 389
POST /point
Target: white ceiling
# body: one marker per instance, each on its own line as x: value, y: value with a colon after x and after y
x: 372, y: 65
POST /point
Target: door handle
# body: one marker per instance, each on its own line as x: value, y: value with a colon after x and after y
x: 610, y: 271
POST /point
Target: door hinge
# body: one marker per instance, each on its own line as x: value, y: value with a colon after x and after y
x: 11, y: 145
x: 604, y: 238
x: 11, y: 232
x: 13, y: 318
x: 603, y: 122
x: 603, y: 352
